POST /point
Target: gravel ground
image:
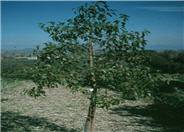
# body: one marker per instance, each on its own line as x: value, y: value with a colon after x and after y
x: 62, y: 111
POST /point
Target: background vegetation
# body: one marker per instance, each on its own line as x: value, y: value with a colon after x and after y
x: 166, y: 62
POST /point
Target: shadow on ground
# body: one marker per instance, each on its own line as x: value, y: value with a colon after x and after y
x: 167, y: 112
x: 170, y: 120
x: 14, y: 122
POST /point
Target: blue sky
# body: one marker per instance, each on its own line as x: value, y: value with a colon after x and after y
x: 20, y: 21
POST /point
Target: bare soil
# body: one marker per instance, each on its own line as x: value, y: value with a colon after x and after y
x: 62, y: 111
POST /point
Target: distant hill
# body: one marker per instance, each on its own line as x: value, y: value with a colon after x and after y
x: 16, y: 52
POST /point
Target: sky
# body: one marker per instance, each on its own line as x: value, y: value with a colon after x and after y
x: 20, y: 21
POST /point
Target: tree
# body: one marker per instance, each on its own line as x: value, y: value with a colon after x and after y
x: 94, y: 49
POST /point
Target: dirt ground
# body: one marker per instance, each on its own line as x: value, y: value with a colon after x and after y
x: 62, y: 111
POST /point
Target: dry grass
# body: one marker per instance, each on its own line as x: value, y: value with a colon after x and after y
x: 63, y: 111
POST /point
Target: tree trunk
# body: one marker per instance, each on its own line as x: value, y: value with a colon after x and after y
x: 90, y: 124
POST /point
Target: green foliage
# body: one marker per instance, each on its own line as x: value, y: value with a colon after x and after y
x: 171, y: 91
x: 15, y: 68
x: 120, y: 64
x: 168, y: 61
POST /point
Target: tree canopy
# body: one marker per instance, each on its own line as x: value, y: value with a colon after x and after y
x: 96, y: 33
